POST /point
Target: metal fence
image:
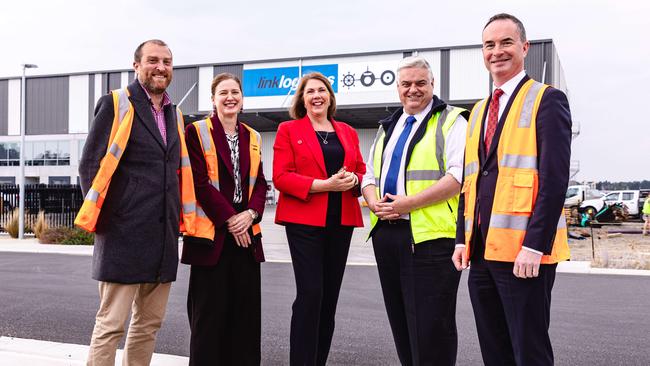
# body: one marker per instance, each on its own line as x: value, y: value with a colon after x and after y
x: 60, y: 204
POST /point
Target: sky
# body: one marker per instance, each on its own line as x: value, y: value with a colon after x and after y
x: 602, y: 45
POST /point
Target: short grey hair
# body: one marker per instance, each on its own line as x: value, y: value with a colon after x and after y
x: 414, y: 61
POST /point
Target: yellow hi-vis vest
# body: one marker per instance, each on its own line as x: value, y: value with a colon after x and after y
x: 517, y: 183
x: 204, y: 226
x: 120, y: 132
x: 426, y: 167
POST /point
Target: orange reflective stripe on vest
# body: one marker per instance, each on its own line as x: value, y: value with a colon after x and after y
x: 204, y: 226
x: 119, y: 138
x: 517, y: 183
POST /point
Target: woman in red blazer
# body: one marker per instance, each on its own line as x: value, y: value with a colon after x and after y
x: 317, y: 167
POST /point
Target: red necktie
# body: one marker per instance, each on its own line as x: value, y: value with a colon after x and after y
x: 493, y: 119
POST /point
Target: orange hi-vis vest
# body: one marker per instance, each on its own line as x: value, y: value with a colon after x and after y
x: 205, y: 226
x: 517, y: 183
x: 120, y: 132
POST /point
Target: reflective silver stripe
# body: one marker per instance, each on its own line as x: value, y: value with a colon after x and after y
x: 205, y: 135
x: 115, y: 150
x: 122, y: 103
x: 371, y: 156
x: 215, y: 184
x: 562, y: 223
x: 440, y: 139
x: 189, y: 207
x: 200, y: 212
x: 251, y: 181
x: 526, y: 116
x: 474, y: 118
x: 377, y: 181
x: 424, y: 175
x: 471, y: 168
x: 518, y: 161
x: 92, y: 195
x: 509, y: 222
x: 185, y: 161
x: 468, y: 224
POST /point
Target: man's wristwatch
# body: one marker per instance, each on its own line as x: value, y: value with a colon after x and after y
x: 253, y: 213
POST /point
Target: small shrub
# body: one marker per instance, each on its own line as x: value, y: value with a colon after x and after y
x: 53, y: 235
x: 41, y: 224
x: 77, y: 236
x: 12, y: 224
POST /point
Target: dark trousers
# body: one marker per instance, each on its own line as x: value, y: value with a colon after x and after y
x: 512, y: 314
x: 224, y: 309
x: 318, y: 255
x: 419, y: 284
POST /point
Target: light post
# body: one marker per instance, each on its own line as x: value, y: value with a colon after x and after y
x: 21, y: 194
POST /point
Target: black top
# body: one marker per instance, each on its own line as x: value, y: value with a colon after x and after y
x: 333, y: 154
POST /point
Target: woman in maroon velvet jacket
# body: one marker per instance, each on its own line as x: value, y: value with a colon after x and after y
x: 317, y: 167
x: 223, y: 303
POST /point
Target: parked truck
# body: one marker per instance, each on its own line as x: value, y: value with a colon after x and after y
x: 629, y: 199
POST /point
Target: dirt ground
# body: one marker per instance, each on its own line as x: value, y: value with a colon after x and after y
x: 628, y: 250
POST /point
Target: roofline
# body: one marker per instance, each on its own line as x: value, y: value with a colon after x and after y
x: 311, y: 57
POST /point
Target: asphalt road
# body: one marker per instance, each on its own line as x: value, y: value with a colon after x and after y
x: 596, y: 319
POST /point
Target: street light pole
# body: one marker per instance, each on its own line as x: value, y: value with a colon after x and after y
x: 21, y: 194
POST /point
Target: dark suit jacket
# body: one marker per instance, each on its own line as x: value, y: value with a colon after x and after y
x: 553, y: 159
x: 298, y: 160
x: 217, y: 204
x: 137, y: 231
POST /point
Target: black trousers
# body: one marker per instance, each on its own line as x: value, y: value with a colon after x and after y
x: 512, y: 314
x: 419, y: 284
x: 318, y: 255
x: 224, y: 309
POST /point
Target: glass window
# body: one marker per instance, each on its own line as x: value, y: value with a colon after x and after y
x: 571, y: 192
x: 628, y: 196
x: 612, y: 197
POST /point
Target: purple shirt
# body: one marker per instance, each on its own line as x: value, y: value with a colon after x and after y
x: 159, y: 115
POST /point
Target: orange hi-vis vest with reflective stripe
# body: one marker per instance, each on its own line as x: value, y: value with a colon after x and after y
x: 120, y: 132
x: 204, y: 226
x: 517, y: 183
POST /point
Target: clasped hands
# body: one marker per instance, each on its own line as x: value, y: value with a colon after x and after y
x: 391, y: 206
x: 238, y: 226
x: 342, y: 181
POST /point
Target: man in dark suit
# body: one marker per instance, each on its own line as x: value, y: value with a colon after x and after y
x: 136, y: 243
x: 515, y: 178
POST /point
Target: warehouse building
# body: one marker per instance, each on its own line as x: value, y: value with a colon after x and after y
x: 59, y: 108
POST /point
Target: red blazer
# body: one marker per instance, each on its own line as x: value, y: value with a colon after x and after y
x: 298, y: 160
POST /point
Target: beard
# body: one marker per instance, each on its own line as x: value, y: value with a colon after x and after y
x: 154, y: 87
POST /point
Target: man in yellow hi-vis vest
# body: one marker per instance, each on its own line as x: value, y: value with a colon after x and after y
x: 511, y: 226
x: 136, y: 243
x: 411, y: 184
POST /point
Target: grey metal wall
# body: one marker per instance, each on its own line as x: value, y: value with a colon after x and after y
x: 46, y: 108
x: 114, y: 81
x: 182, y: 81
x: 91, y: 97
x: 233, y: 69
x: 534, y: 62
x: 4, y: 102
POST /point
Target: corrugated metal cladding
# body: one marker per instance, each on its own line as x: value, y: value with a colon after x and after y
x: 182, y: 81
x: 233, y: 69
x: 105, y: 88
x: 114, y: 81
x: 47, y: 106
x: 534, y: 62
x: 131, y: 76
x: 549, y: 56
x: 444, y: 74
x: 91, y: 97
x: 4, y: 107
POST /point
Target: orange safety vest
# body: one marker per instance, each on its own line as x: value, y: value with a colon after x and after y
x: 205, y: 226
x: 120, y: 132
x: 517, y: 183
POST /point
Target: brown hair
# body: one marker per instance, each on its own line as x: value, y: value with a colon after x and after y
x: 223, y: 77
x: 137, y: 55
x: 512, y: 18
x: 298, y: 109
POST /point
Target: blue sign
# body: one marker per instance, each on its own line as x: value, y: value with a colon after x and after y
x: 281, y: 80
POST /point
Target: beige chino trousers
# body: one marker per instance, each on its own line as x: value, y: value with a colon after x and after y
x: 147, y: 302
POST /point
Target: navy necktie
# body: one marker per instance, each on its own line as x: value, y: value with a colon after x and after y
x: 390, y: 186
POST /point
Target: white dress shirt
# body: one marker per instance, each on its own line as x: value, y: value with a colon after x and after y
x: 454, y: 151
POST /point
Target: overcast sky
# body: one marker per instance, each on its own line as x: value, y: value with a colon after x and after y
x: 602, y: 45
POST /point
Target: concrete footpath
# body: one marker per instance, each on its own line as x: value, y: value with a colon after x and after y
x: 17, y: 351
